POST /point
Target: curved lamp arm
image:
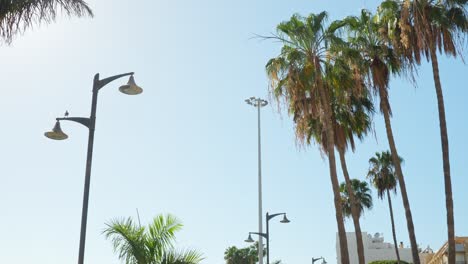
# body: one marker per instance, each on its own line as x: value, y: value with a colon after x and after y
x: 98, y: 84
x: 315, y: 259
x: 273, y: 215
x: 82, y: 120
x: 260, y: 234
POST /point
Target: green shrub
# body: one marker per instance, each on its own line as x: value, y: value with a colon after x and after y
x: 388, y: 262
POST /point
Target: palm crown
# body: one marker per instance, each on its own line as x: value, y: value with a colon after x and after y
x: 153, y: 244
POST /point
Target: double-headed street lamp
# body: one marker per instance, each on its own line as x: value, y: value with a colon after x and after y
x: 321, y: 258
x: 57, y: 134
x: 259, y: 103
x: 267, y: 234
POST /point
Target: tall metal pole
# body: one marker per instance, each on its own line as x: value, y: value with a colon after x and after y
x: 259, y: 103
x: 57, y: 134
x: 89, y: 159
x: 267, y: 218
x: 260, y: 214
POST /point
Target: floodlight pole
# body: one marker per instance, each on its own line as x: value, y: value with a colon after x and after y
x: 259, y: 103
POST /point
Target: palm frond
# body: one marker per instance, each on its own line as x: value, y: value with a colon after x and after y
x: 128, y: 240
x: 182, y: 257
x: 18, y: 15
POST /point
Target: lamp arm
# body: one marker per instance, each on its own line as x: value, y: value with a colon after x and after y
x: 273, y: 215
x: 315, y: 259
x: 260, y: 234
x: 98, y: 84
x: 82, y: 120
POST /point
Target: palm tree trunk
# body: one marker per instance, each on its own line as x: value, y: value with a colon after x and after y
x: 393, y: 226
x: 354, y: 208
x: 445, y: 156
x: 396, y: 160
x: 333, y: 175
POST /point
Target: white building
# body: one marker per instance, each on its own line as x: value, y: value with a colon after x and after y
x: 374, y: 249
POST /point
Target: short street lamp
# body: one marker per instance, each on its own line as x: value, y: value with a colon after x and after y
x: 57, y: 134
x: 266, y: 235
x: 321, y: 258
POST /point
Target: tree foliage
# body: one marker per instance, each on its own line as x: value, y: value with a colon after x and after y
x: 153, y: 244
x: 362, y: 194
x: 388, y: 262
x: 18, y: 15
x: 247, y: 255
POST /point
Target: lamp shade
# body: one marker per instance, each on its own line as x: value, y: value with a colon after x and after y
x: 285, y: 219
x: 131, y: 88
x: 56, y: 133
x: 249, y: 239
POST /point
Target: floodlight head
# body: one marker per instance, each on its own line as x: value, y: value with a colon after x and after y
x: 257, y: 102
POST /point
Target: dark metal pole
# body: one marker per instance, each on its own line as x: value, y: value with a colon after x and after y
x: 268, y: 237
x: 89, y: 158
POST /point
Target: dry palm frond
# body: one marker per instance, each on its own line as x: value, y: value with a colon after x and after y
x: 18, y: 15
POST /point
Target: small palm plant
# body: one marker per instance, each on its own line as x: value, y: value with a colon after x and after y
x: 153, y: 244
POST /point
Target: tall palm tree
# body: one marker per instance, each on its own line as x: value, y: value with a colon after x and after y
x: 18, y: 15
x: 382, y: 176
x: 438, y: 25
x: 153, y: 244
x: 351, y: 118
x: 379, y: 61
x: 298, y: 78
x: 362, y: 194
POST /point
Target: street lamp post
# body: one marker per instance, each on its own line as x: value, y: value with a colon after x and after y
x: 259, y: 103
x: 321, y: 258
x: 267, y: 234
x: 57, y: 134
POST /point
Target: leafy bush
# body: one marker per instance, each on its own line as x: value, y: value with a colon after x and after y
x: 388, y: 262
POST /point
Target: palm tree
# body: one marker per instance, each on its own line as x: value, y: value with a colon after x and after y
x: 153, y: 244
x: 16, y: 15
x: 351, y: 118
x: 438, y: 25
x: 298, y: 77
x: 362, y: 194
x: 379, y: 61
x: 382, y: 176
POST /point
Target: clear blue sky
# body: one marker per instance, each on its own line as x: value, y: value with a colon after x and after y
x: 187, y: 145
